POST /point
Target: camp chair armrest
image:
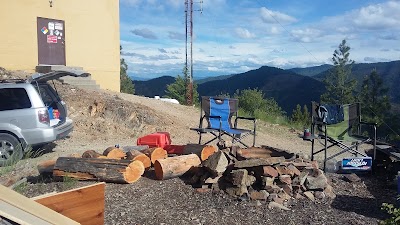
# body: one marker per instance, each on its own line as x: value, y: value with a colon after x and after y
x: 369, y: 124
x: 245, y: 118
x: 214, y: 117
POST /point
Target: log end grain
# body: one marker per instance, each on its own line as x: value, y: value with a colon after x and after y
x: 134, y: 171
x: 207, y: 151
x: 114, y: 153
x: 145, y: 160
x: 137, y: 155
x: 157, y: 153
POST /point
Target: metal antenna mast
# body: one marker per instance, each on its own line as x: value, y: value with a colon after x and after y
x: 189, y: 48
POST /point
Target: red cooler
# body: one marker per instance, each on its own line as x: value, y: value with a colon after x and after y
x: 158, y: 139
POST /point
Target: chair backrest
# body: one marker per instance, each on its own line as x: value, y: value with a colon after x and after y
x: 219, y: 106
x: 342, y: 120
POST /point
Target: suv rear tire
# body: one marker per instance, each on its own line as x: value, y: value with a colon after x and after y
x: 11, y: 150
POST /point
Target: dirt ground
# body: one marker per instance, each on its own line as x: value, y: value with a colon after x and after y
x: 104, y: 118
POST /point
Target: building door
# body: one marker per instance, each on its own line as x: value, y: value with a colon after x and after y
x: 51, y: 41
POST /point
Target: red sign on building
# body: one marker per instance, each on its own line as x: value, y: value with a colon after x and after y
x: 51, y: 39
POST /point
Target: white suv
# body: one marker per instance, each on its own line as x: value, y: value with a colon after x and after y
x: 31, y: 113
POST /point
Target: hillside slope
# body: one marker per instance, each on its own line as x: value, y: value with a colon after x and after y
x: 389, y: 71
x: 287, y: 88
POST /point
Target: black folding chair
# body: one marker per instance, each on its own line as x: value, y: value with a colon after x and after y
x: 218, y: 112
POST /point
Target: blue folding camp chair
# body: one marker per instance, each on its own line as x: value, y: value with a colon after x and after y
x: 218, y: 111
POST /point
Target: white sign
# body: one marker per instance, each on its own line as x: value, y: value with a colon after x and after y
x: 51, y: 26
x: 58, y: 26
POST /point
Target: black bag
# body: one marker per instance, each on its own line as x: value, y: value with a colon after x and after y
x: 330, y: 114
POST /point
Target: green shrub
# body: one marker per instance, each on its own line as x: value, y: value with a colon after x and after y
x: 253, y: 103
x: 393, y: 211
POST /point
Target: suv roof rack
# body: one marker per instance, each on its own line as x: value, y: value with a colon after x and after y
x: 13, y: 81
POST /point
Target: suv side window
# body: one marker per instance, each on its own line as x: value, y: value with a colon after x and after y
x: 14, y: 98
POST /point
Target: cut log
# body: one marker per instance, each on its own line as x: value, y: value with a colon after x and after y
x: 253, y: 153
x: 174, y: 149
x: 114, y: 153
x: 155, y: 153
x: 46, y: 167
x: 137, y: 155
x: 108, y: 170
x: 134, y: 147
x: 216, y: 163
x: 91, y: 154
x: 175, y: 166
x: 203, y: 151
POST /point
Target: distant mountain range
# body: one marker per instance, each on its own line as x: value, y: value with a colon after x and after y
x: 288, y: 87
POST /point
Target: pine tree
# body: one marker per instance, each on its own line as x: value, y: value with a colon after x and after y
x: 297, y: 115
x: 301, y: 117
x: 177, y: 90
x: 374, y: 99
x: 339, y: 86
x: 126, y: 84
x: 306, y: 115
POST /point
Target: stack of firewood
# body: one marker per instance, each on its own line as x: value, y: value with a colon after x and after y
x: 126, y: 165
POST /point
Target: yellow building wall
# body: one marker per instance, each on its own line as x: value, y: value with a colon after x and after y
x: 91, y: 33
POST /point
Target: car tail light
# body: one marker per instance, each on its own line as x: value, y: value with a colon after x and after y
x: 43, y: 116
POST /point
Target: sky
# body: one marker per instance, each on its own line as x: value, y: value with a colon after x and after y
x: 235, y: 36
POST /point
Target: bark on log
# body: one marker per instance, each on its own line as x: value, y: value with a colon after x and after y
x: 203, y: 151
x: 46, y: 167
x: 137, y: 155
x: 91, y: 154
x: 175, y: 166
x: 155, y: 154
x: 114, y: 153
x: 108, y: 170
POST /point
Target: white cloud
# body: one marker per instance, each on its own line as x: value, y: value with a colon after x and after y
x: 377, y: 17
x: 305, y: 35
x: 269, y: 16
x: 244, y: 33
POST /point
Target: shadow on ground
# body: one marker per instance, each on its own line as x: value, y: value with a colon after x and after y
x: 366, y: 196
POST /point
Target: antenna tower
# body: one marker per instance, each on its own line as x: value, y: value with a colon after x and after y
x: 189, y: 49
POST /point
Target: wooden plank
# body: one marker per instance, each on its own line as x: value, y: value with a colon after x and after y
x: 84, y: 205
x: 23, y: 210
x: 18, y: 215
